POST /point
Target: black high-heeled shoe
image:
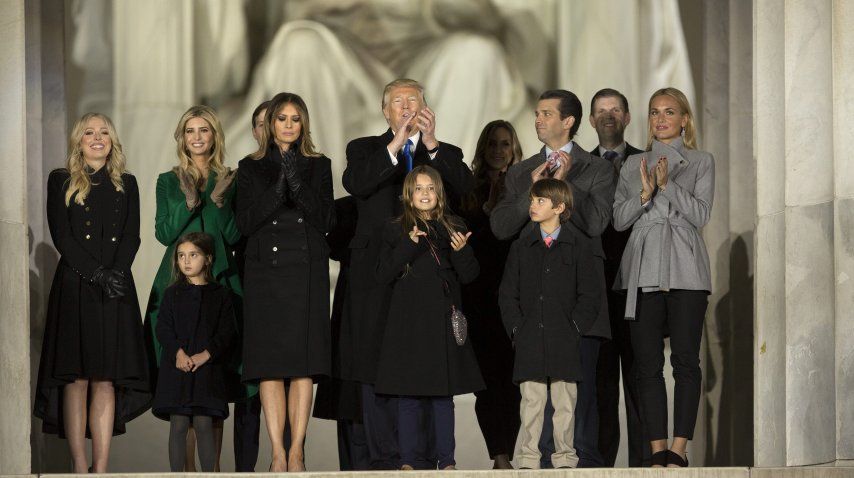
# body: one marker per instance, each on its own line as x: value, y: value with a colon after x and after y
x: 673, y: 458
x: 659, y: 458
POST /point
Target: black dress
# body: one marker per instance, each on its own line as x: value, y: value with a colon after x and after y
x: 88, y: 335
x: 195, y: 318
x: 419, y: 356
x: 286, y: 278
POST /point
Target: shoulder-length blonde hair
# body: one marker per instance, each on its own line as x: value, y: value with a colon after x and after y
x: 217, y: 153
x: 79, y: 182
x: 268, y: 135
x: 690, y: 135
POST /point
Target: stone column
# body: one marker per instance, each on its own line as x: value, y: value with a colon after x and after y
x: 803, y: 296
x: 14, y: 328
x: 726, y: 132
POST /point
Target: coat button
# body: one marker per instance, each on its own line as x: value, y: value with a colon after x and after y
x: 299, y: 220
x: 548, y: 270
x: 275, y: 248
x: 88, y: 223
x: 541, y: 297
x: 86, y: 209
x: 541, y: 325
x: 113, y: 239
x: 88, y: 236
x: 275, y: 222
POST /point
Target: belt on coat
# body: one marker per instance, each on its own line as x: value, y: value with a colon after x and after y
x: 665, y: 246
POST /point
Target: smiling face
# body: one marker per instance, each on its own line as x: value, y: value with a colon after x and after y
x: 403, y: 103
x: 95, y: 142
x: 551, y: 130
x: 198, y: 137
x: 287, y: 126
x: 610, y: 119
x: 192, y: 262
x: 499, y: 149
x: 424, y: 198
x: 666, y: 118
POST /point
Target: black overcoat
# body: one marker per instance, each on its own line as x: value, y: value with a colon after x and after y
x: 419, y: 356
x: 196, y: 318
x: 376, y: 184
x: 286, y: 275
x: 88, y: 335
x: 549, y: 298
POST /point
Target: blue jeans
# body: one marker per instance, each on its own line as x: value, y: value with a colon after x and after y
x: 411, y: 431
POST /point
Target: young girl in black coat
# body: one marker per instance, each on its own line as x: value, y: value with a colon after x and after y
x: 425, y: 255
x: 196, y: 328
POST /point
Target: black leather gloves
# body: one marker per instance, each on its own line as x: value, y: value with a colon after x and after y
x: 114, y: 282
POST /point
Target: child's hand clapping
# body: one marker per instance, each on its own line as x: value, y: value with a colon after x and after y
x: 415, y: 232
x: 183, y: 361
x: 200, y: 359
x: 458, y: 240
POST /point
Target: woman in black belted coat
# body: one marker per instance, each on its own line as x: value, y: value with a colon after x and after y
x: 93, y: 376
x: 285, y: 208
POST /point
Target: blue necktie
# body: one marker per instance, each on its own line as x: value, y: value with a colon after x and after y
x: 408, y: 155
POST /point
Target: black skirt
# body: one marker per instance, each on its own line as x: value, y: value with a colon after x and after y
x: 88, y: 336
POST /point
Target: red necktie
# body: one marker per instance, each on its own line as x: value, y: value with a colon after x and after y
x: 549, y: 240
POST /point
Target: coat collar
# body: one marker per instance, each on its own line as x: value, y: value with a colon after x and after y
x: 675, y: 152
x: 532, y: 234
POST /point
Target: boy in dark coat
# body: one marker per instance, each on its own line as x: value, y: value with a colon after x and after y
x: 549, y: 297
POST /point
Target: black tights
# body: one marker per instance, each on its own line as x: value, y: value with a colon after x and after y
x: 203, y: 426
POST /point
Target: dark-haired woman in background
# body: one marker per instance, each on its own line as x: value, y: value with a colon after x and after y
x: 665, y: 267
x: 285, y: 207
x: 93, y: 376
x: 497, y: 407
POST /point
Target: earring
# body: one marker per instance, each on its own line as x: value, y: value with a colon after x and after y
x: 683, y: 131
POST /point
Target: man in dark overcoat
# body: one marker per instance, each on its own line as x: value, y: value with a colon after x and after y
x: 558, y: 117
x: 609, y: 116
x: 376, y: 167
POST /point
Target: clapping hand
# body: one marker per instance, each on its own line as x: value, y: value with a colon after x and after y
x: 647, y: 181
x: 415, y: 232
x: 426, y: 120
x: 565, y: 164
x: 661, y: 172
x: 401, y: 135
x: 219, y: 190
x: 458, y: 240
x: 540, y: 172
x: 188, y: 187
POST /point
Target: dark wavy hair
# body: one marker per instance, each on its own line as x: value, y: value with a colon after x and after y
x: 205, y: 243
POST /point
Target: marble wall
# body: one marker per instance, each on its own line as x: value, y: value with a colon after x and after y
x: 14, y: 327
x: 803, y: 227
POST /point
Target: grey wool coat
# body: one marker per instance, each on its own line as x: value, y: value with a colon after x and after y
x: 591, y: 179
x: 665, y: 250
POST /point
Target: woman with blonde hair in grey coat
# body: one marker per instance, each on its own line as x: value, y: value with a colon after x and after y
x: 665, y: 195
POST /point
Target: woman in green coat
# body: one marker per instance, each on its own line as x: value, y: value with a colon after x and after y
x: 196, y: 195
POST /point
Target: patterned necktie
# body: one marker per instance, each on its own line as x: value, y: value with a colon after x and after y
x: 407, y: 153
x: 549, y: 240
x: 614, y: 158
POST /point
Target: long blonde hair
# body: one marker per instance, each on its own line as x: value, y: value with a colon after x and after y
x: 79, y: 182
x: 689, y: 138
x: 479, y: 166
x: 268, y: 135
x: 217, y: 153
x: 440, y: 213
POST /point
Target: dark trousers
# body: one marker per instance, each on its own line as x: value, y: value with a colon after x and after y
x: 586, y: 413
x: 412, y: 423
x: 682, y: 312
x: 352, y: 446
x: 616, y: 355
x: 497, y: 410
x: 379, y: 417
x: 247, y: 427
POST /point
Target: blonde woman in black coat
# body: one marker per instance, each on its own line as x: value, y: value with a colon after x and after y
x: 285, y: 208
x: 93, y: 375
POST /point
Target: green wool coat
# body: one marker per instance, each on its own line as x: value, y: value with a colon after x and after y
x: 173, y: 220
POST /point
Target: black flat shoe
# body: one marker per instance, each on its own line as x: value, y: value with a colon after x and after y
x: 673, y: 458
x: 659, y: 458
